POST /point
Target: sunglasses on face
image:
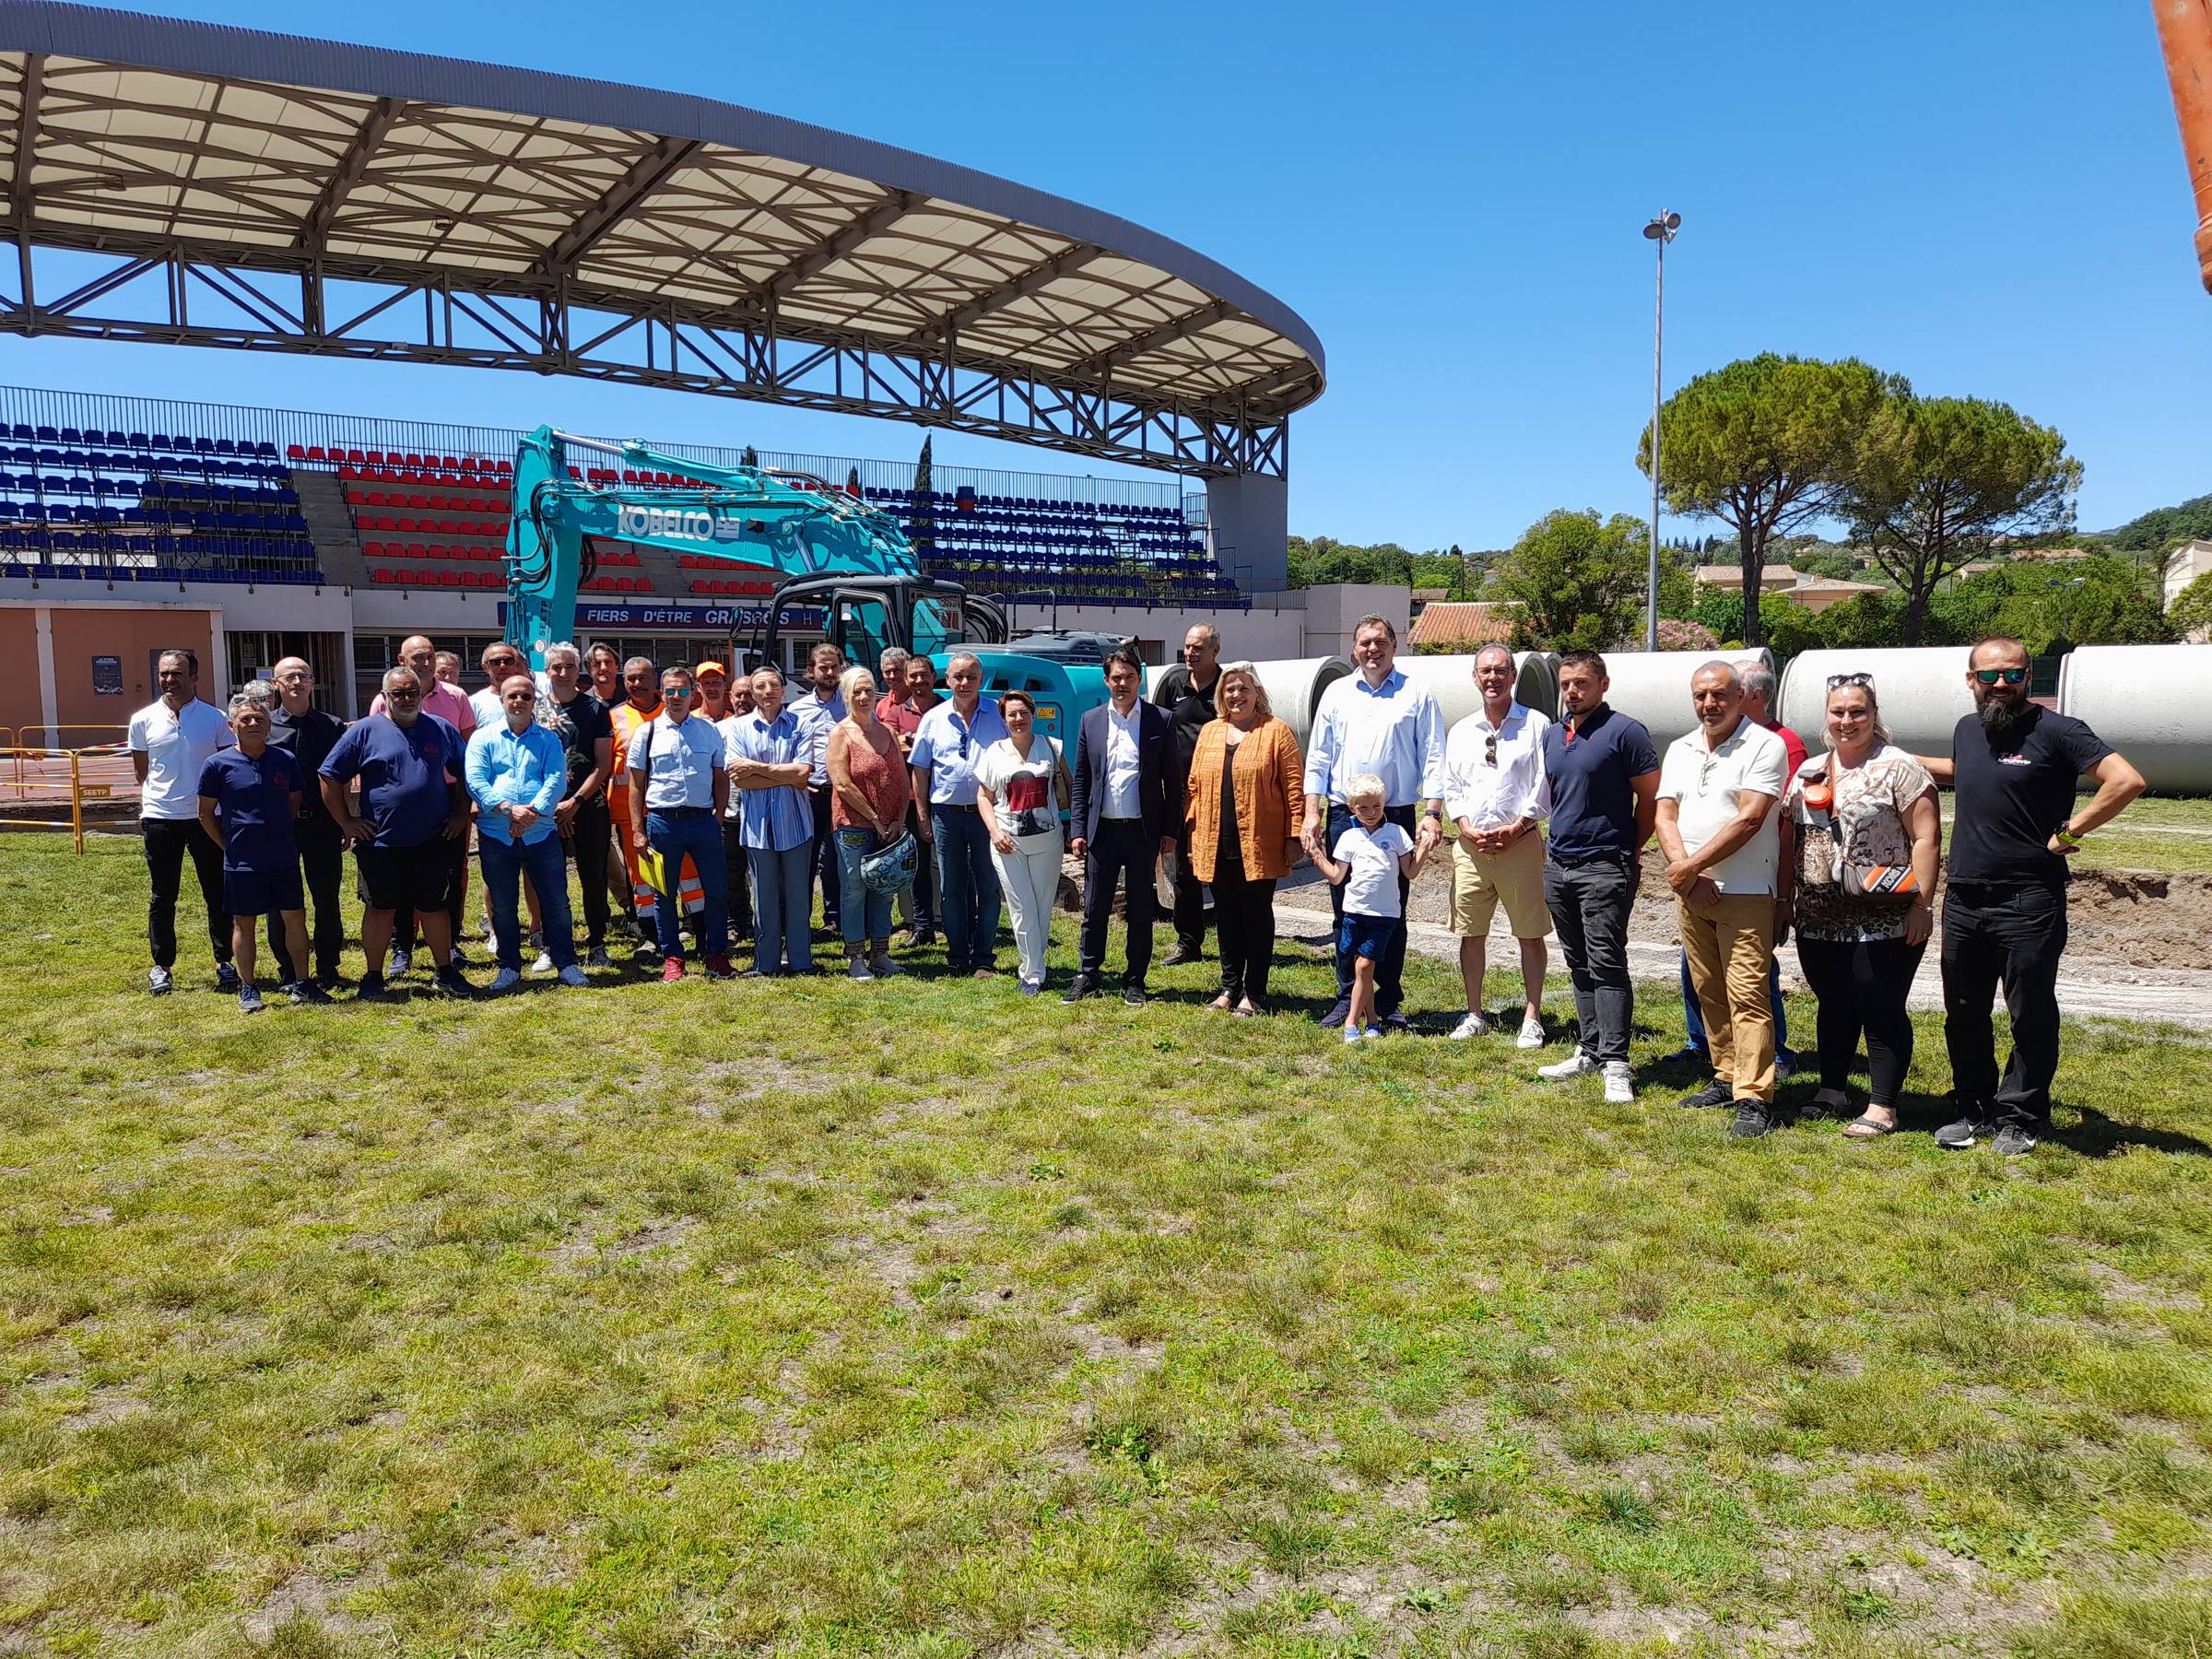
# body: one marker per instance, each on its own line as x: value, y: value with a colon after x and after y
x: 1838, y: 680
x: 409, y: 695
x: 1990, y: 676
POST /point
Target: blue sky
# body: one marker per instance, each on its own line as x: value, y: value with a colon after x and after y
x: 1989, y: 198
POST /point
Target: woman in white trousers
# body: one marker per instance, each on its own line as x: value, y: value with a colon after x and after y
x: 1021, y: 786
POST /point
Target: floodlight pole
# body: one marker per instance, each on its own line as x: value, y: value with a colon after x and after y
x: 1660, y: 231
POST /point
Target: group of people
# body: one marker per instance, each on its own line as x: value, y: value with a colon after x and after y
x: 715, y: 806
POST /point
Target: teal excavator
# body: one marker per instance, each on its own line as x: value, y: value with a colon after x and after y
x: 834, y: 556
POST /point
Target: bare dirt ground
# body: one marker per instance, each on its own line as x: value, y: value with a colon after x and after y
x: 2140, y: 944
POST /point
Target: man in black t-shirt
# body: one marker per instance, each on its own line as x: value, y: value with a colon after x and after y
x: 2014, y: 768
x: 587, y: 737
x: 297, y: 726
x: 1187, y: 692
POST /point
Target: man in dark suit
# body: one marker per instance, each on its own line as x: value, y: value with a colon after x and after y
x: 1126, y: 805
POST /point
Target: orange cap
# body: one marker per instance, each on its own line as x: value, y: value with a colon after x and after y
x: 704, y: 669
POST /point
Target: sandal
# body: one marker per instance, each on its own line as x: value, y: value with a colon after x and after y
x: 1866, y: 1128
x: 1222, y: 1003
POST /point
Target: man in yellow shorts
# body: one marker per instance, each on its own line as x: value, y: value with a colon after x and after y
x: 1495, y: 796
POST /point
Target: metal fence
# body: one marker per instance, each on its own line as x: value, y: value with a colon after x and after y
x: 37, y: 406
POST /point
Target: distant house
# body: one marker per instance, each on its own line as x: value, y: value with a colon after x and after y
x: 1458, y: 624
x: 2183, y: 566
x: 1799, y: 587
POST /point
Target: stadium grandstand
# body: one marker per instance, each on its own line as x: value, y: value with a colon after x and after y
x: 182, y: 183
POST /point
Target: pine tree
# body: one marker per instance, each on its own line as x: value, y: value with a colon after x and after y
x: 750, y: 458
x: 923, y: 484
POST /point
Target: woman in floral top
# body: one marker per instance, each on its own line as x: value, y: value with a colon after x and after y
x: 1863, y: 806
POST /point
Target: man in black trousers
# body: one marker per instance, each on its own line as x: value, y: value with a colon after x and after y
x: 1187, y: 692
x: 307, y: 731
x: 2016, y: 768
x: 1127, y: 803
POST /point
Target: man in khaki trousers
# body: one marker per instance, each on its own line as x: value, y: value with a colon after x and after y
x: 1721, y: 838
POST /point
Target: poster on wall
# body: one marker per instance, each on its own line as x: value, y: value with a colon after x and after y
x: 107, y: 677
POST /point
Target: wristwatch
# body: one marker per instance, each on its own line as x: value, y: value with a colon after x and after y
x: 2066, y: 838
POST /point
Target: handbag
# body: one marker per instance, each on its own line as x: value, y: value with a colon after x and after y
x: 1821, y: 863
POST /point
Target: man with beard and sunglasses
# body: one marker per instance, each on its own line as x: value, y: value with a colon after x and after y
x: 2014, y: 767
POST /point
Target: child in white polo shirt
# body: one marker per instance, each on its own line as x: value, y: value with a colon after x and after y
x: 1365, y: 862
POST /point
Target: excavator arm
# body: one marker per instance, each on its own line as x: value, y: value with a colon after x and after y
x: 801, y: 528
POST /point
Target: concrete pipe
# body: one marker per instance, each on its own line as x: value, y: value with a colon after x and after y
x: 2151, y: 703
x: 1654, y: 686
x: 1922, y: 691
x: 1451, y: 679
x: 1293, y: 685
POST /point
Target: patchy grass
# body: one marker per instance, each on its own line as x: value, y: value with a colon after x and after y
x: 923, y: 1318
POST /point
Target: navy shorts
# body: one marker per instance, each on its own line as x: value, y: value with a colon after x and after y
x: 262, y: 892
x: 1368, y: 936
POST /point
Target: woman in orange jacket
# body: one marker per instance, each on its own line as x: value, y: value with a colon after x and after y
x: 1243, y: 810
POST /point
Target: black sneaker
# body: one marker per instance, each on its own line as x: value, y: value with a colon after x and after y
x: 307, y: 992
x: 370, y: 989
x: 159, y: 982
x: 1715, y: 1093
x: 449, y: 980
x: 1134, y: 995
x: 2015, y: 1140
x: 1082, y: 987
x: 226, y: 977
x: 1753, y: 1119
x: 1967, y: 1132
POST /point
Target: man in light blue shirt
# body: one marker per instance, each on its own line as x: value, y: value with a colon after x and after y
x: 817, y: 708
x: 515, y: 773
x: 769, y: 754
x: 677, y: 790
x: 1375, y: 720
x: 948, y: 745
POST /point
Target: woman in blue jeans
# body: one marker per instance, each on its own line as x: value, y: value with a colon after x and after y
x: 868, y: 792
x: 768, y: 761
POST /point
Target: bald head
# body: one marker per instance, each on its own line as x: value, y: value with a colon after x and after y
x: 295, y: 683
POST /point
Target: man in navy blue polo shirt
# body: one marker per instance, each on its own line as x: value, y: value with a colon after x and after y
x: 248, y: 797
x: 412, y: 808
x: 1604, y: 791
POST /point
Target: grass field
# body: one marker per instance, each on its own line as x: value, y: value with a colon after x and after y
x: 922, y: 1318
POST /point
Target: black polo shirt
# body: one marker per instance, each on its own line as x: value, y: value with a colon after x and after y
x: 307, y: 738
x: 1189, y: 710
x: 2011, y: 790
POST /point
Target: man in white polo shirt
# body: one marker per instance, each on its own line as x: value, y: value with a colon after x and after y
x: 172, y: 738
x: 1721, y: 838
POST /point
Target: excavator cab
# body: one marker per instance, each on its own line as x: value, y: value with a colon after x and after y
x: 863, y: 614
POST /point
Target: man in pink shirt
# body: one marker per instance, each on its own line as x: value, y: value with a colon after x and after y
x: 449, y: 704
x: 1759, y: 684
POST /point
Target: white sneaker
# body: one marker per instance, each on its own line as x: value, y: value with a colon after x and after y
x: 573, y: 975
x: 1374, y: 1033
x: 1577, y: 1065
x: 1621, y: 1088
x: 1531, y: 1034
x: 1352, y: 1033
x: 506, y: 979
x: 544, y: 963
x: 1471, y: 1024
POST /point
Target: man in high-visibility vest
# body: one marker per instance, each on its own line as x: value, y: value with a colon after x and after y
x: 641, y: 679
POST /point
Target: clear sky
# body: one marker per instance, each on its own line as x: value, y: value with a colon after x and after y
x: 1985, y: 195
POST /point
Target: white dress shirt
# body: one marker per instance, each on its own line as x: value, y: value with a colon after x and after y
x: 1494, y: 789
x: 1123, y: 800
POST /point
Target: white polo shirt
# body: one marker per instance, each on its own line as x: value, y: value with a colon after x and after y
x: 1707, y: 783
x: 176, y: 747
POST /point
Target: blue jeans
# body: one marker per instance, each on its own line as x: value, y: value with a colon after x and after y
x: 967, y: 887
x: 672, y: 835
x: 546, y: 862
x: 1696, y: 1020
x: 862, y: 916
x: 783, y: 908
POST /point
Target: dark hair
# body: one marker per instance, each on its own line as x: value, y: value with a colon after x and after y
x: 1584, y: 659
x: 1016, y: 694
x: 1123, y: 654
x: 192, y: 658
x: 1376, y: 619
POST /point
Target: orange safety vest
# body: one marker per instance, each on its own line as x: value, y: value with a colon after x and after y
x: 626, y: 720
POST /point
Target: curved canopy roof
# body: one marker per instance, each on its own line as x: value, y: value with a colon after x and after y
x: 126, y: 134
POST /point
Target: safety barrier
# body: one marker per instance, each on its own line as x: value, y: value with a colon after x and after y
x: 54, y: 776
